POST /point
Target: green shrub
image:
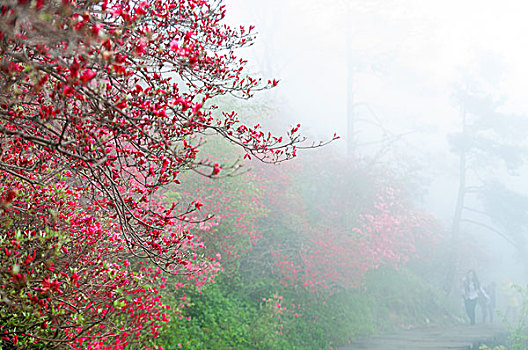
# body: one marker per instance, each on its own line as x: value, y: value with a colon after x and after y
x: 219, y: 317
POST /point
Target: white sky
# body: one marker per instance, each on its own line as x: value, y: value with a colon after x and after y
x: 406, y: 56
x: 433, y: 40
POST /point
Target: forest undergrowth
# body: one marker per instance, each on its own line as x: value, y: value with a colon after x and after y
x: 229, y: 314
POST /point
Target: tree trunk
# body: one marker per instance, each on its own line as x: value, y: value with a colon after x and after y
x: 452, y: 260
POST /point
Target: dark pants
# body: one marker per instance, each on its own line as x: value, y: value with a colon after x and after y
x: 470, y: 305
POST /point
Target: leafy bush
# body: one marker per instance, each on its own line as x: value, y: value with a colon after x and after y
x: 518, y: 321
x: 222, y: 317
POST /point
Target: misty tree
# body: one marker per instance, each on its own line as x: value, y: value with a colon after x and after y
x: 507, y: 210
x: 488, y: 146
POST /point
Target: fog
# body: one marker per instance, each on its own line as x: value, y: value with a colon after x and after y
x: 400, y: 64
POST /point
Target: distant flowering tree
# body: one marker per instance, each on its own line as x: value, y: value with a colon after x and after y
x: 102, y: 104
x: 350, y: 221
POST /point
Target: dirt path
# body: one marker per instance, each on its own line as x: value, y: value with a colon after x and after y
x: 453, y: 337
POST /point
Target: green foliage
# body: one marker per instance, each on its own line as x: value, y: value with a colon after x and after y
x: 231, y: 313
x: 219, y: 317
x: 485, y: 347
x: 16, y: 308
x: 336, y: 320
x: 390, y: 299
x: 405, y: 299
x: 519, y: 325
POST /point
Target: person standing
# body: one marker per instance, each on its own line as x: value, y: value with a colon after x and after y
x: 470, y: 293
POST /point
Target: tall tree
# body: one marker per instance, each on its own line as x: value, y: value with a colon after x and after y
x: 489, y: 144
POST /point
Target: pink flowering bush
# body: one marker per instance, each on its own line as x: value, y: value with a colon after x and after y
x: 356, y: 222
x: 102, y: 105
